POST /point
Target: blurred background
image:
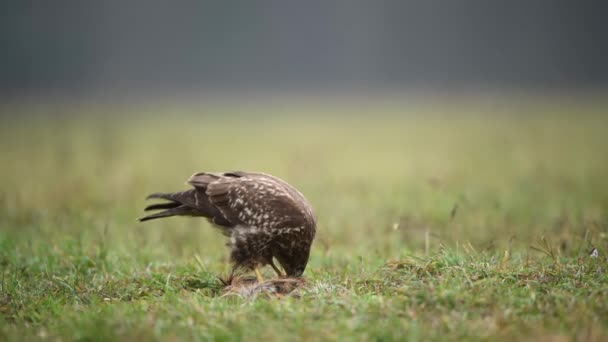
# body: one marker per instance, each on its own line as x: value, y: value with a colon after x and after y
x: 445, y: 146
x: 125, y: 49
x: 480, y: 121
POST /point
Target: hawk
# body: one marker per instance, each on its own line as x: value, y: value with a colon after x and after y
x: 263, y: 216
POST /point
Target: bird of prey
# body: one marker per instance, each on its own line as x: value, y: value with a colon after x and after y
x: 263, y: 216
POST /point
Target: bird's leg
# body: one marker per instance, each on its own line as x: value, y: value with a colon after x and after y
x: 276, y: 269
x: 258, y: 275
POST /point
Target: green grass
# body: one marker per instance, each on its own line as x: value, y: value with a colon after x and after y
x: 455, y: 221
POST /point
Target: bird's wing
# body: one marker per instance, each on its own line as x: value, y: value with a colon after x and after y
x: 201, y: 180
x: 251, y: 199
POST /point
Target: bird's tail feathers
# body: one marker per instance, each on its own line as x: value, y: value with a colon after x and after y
x: 181, y: 203
x: 180, y: 210
x: 158, y: 206
x: 170, y: 196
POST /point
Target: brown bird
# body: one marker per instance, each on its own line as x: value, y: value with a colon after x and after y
x: 263, y: 216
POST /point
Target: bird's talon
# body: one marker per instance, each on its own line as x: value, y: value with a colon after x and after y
x: 276, y: 269
x: 258, y: 275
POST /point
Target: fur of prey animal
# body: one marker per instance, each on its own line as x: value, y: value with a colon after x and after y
x: 263, y: 216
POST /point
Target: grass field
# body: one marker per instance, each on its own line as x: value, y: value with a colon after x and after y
x: 443, y: 222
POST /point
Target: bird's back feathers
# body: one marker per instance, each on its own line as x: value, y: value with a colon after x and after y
x: 237, y: 198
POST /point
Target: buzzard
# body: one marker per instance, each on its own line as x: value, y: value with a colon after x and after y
x: 263, y: 216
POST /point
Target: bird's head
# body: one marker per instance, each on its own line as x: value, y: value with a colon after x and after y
x: 295, y: 264
x: 296, y: 271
